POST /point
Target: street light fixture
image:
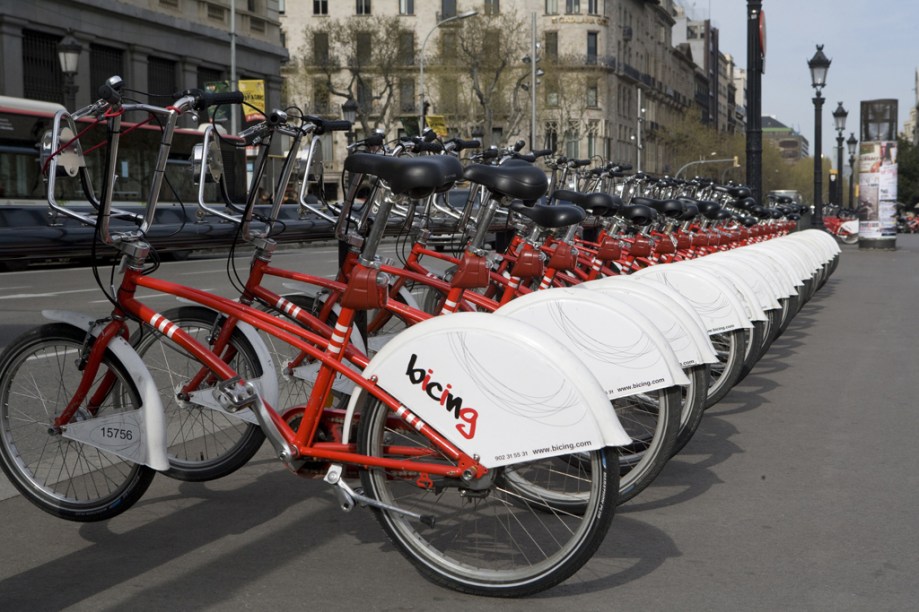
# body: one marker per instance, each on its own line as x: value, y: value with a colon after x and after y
x: 68, y: 54
x: 349, y: 114
x: 819, y: 65
x: 839, y: 117
x: 852, y: 143
x: 421, y: 115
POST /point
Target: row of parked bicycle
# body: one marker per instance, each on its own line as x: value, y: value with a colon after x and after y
x: 495, y: 403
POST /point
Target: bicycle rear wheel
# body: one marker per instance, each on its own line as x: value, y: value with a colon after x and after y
x: 63, y: 477
x: 729, y: 347
x: 202, y: 443
x: 494, y: 538
x: 693, y: 396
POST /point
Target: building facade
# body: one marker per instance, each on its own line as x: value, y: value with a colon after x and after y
x: 792, y: 145
x: 158, y: 47
x: 611, y: 79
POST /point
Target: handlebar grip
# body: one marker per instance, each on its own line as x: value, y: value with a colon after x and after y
x: 518, y: 146
x: 206, y: 99
x: 373, y: 141
x: 429, y: 147
x: 337, y: 125
x: 466, y: 144
x: 527, y: 157
x: 580, y: 163
x: 541, y: 152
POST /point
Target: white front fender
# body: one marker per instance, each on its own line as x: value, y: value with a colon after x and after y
x: 150, y: 447
x: 496, y: 388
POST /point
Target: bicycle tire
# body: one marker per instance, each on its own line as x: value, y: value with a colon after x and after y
x: 754, y: 347
x: 493, y: 541
x: 729, y: 346
x: 652, y: 420
x: 693, y: 404
x: 202, y: 444
x: 63, y: 477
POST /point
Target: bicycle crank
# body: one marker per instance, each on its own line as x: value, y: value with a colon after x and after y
x: 348, y: 496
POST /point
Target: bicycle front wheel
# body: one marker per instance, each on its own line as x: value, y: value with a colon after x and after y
x: 66, y: 478
x: 202, y: 443
x: 493, y: 537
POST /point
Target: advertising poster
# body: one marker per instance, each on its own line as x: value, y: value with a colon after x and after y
x: 877, y: 189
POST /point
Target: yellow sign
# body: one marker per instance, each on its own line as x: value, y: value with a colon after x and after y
x: 438, y: 124
x: 254, y: 93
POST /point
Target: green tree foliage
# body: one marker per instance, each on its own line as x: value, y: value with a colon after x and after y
x: 907, y: 172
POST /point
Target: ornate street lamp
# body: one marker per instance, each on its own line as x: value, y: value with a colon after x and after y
x: 818, y: 65
x: 852, y: 143
x: 68, y: 54
x: 839, y: 118
x: 349, y: 114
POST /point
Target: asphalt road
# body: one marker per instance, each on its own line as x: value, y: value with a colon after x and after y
x: 799, y: 492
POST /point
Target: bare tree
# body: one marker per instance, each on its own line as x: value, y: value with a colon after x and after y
x: 488, y: 51
x: 360, y: 59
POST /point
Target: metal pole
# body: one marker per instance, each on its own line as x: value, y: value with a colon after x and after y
x: 234, y: 108
x: 851, y: 185
x: 755, y: 69
x: 638, y: 136
x: 817, y: 220
x: 533, y: 84
x: 839, y: 192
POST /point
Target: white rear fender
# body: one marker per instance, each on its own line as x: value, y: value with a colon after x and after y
x: 622, y: 347
x: 680, y: 324
x: 494, y: 387
x: 147, y: 425
x: 715, y: 301
x: 753, y: 285
x: 782, y: 286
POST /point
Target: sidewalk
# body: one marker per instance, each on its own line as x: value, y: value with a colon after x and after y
x: 799, y: 492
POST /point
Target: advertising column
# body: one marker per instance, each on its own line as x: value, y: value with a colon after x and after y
x: 877, y: 175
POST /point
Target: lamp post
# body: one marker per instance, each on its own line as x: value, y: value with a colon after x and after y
x: 852, y: 143
x: 818, y: 65
x: 68, y: 53
x: 349, y: 114
x: 839, y: 117
x: 421, y: 115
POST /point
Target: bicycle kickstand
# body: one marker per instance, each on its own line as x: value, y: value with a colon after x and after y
x: 347, y: 496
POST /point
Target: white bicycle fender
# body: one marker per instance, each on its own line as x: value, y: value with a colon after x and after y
x: 494, y: 387
x: 739, y: 271
x: 147, y: 443
x: 267, y: 383
x: 782, y: 286
x: 622, y: 347
x: 715, y: 301
x: 680, y: 324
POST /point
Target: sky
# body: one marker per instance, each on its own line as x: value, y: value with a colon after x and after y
x: 873, y: 46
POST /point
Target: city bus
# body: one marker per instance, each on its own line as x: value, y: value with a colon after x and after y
x: 30, y: 233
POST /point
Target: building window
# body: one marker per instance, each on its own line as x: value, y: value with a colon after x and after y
x: 320, y: 48
x: 363, y: 48
x: 572, y: 142
x: 407, y: 95
x: 448, y: 46
x: 209, y: 77
x: 104, y: 62
x: 407, y: 48
x: 449, y: 96
x: 364, y: 97
x: 552, y: 136
x: 447, y: 9
x: 363, y: 7
x: 161, y: 76
x: 321, y: 98
x: 552, y: 45
x: 320, y: 7
x: 492, y: 7
x: 406, y: 7
x: 217, y: 13
x: 592, y: 94
x: 593, y: 138
x: 42, y: 78
x: 572, y: 7
x: 551, y: 7
x: 593, y: 7
x: 591, y: 47
x: 170, y: 3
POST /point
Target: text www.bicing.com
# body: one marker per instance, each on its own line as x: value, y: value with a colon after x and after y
x: 640, y: 385
x: 554, y: 448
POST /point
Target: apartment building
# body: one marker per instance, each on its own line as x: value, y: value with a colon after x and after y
x: 157, y: 46
x: 610, y: 78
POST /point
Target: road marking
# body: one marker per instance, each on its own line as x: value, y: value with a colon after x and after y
x: 24, y: 296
